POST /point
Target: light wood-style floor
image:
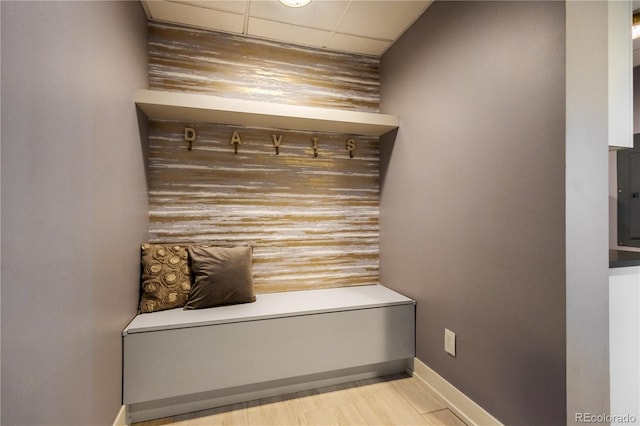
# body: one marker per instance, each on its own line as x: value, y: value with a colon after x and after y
x: 393, y: 400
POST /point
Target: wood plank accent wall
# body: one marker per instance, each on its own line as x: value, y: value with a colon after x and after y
x: 314, y: 221
x: 200, y: 61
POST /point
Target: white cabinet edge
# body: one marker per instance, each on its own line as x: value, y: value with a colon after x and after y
x: 620, y: 75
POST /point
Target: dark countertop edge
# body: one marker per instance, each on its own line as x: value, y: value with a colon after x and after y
x: 623, y: 258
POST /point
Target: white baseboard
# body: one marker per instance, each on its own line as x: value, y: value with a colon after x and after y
x: 463, y: 406
x: 121, y: 418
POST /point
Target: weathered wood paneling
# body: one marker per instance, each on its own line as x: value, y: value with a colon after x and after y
x: 192, y: 60
x: 314, y: 221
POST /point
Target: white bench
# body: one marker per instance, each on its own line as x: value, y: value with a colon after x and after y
x: 179, y: 361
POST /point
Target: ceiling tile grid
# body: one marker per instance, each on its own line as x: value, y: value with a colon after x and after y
x: 366, y: 27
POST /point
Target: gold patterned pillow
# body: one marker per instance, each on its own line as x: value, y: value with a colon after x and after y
x: 166, y: 278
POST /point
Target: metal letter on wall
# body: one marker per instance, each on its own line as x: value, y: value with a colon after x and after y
x: 351, y: 146
x: 190, y: 136
x: 277, y: 140
x: 235, y: 140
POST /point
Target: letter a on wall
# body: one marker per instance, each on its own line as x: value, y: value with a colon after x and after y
x: 235, y: 140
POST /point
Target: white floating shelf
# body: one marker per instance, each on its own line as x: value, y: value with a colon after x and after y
x: 214, y: 109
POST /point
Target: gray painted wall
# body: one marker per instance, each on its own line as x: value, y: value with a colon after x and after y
x: 74, y: 206
x: 473, y: 199
x: 0, y: 223
x: 587, y: 262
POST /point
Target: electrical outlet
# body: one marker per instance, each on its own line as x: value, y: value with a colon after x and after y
x: 450, y: 342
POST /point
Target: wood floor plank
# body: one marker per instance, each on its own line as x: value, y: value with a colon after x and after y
x: 275, y: 411
x: 374, y: 414
x: 397, y: 408
x: 421, y: 398
x: 230, y: 415
x: 442, y: 418
x: 345, y: 414
x: 327, y: 397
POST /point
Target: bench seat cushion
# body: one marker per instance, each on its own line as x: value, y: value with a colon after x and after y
x: 271, y: 305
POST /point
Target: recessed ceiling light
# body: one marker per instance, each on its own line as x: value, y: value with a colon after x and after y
x: 295, y: 3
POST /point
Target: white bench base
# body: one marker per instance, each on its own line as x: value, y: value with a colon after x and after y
x: 207, y: 400
x: 181, y: 361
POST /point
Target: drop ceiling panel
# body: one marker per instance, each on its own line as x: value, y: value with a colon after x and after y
x: 380, y: 19
x: 196, y: 16
x: 279, y: 31
x: 233, y: 6
x: 355, y: 26
x: 323, y: 15
x: 358, y: 44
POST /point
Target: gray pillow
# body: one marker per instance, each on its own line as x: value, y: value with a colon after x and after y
x: 221, y: 276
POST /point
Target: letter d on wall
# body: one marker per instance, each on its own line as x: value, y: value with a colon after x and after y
x: 190, y: 136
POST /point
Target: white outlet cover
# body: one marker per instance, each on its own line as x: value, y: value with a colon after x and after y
x: 450, y: 342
